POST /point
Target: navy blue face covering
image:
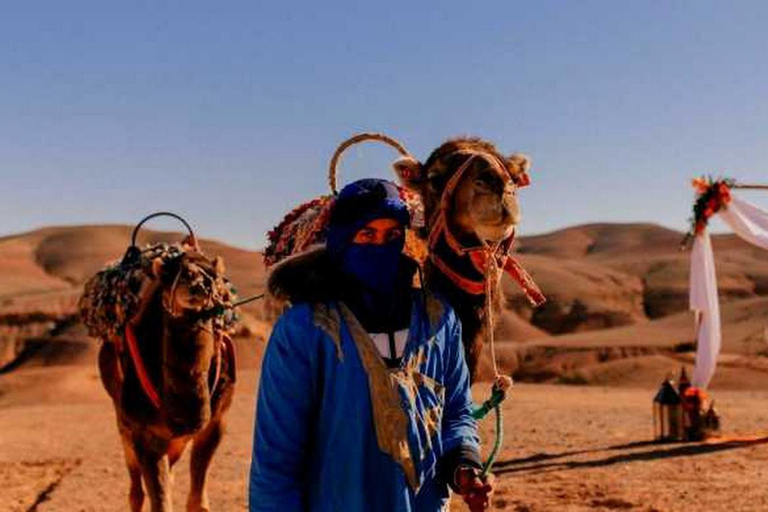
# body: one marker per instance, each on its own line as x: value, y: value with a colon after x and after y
x: 372, y: 274
x: 374, y: 267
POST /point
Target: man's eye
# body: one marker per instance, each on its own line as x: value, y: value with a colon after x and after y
x: 364, y: 236
x: 395, y: 234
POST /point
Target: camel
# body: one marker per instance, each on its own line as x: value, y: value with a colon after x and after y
x: 468, y: 191
x: 174, y: 382
x: 464, y: 204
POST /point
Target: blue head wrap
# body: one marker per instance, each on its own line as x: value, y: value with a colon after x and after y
x: 358, y: 204
x: 374, y: 267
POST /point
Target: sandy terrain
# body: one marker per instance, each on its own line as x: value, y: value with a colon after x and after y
x: 616, y: 320
x: 565, y: 448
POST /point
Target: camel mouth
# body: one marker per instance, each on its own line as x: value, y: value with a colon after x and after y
x: 495, y: 233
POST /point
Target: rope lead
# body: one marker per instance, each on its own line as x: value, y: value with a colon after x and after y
x: 501, y: 382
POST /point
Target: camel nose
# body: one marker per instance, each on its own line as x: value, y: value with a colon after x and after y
x: 510, y: 210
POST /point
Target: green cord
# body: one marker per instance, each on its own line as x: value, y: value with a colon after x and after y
x: 482, y: 411
x: 497, y: 444
x: 493, y: 403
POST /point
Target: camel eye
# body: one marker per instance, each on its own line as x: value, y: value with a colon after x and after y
x: 437, y: 181
x: 484, y: 181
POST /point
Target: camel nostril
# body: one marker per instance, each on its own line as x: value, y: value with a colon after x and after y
x: 510, y: 215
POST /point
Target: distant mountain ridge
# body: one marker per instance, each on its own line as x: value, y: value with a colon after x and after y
x: 607, y: 284
x: 42, y: 273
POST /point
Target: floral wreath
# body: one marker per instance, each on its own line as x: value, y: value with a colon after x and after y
x: 712, y: 195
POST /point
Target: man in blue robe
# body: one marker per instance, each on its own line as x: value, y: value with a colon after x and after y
x: 364, y: 401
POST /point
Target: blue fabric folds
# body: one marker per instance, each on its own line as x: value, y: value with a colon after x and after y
x: 316, y: 442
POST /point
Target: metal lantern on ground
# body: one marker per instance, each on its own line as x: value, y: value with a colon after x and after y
x: 683, y: 382
x: 668, y: 413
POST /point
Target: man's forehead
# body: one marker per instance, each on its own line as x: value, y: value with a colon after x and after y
x: 384, y: 223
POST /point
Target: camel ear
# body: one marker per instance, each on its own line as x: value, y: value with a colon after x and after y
x: 157, y: 268
x: 409, y: 170
x: 518, y: 166
x: 218, y: 266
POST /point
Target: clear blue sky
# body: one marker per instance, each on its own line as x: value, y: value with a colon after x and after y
x: 227, y: 112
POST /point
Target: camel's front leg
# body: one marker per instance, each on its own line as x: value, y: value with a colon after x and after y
x: 157, y: 478
x: 136, y: 495
x: 204, y: 446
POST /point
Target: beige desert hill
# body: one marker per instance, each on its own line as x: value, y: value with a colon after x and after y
x: 631, y: 272
x: 42, y: 273
x: 49, y: 258
x: 618, y: 307
x: 642, y: 354
x: 617, y: 293
x: 609, y: 285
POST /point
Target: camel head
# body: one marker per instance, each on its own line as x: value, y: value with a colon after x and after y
x: 481, y: 202
x: 188, y: 285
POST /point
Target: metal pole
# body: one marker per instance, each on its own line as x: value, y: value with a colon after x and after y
x: 750, y: 186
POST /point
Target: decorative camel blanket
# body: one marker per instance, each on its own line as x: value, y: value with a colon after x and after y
x: 115, y: 295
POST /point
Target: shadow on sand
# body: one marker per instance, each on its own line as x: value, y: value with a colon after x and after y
x: 547, y: 462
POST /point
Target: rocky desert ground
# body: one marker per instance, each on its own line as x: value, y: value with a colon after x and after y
x: 577, y: 426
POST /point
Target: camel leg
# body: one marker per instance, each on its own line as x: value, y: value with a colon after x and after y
x: 176, y: 450
x: 136, y: 494
x: 157, y: 476
x: 204, y: 447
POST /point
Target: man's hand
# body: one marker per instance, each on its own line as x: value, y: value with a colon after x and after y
x: 475, y: 490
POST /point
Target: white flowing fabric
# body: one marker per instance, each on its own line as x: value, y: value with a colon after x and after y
x: 703, y: 300
x: 748, y: 222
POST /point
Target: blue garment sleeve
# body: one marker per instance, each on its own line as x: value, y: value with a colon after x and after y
x: 459, y: 429
x: 283, y: 416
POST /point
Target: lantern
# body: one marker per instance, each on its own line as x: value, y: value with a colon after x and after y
x: 684, y: 382
x: 667, y: 413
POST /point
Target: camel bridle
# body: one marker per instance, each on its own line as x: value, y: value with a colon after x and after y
x: 213, y: 303
x: 486, y: 256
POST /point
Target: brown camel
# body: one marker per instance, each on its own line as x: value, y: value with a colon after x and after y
x: 174, y: 384
x: 466, y: 192
x: 468, y: 189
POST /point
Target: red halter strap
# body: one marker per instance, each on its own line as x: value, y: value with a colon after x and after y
x: 477, y: 255
x: 141, y: 370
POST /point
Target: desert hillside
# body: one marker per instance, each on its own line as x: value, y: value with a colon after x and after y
x: 616, y: 321
x: 617, y: 294
x: 633, y: 271
x: 42, y: 274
